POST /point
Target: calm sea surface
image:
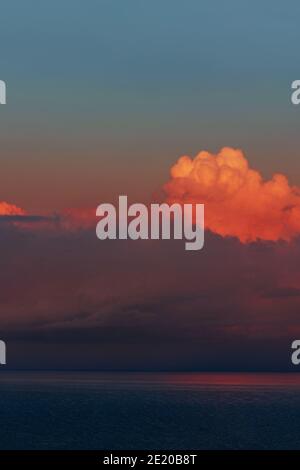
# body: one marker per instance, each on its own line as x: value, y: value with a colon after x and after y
x: 67, y: 410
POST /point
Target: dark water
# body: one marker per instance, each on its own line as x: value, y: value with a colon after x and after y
x: 149, y: 411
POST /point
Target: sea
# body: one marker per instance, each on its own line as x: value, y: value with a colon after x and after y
x: 149, y: 411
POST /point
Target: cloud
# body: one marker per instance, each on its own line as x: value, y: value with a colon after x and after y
x: 238, y: 202
x: 10, y: 209
x: 68, y: 220
x: 24, y: 219
x: 150, y: 303
x: 78, y: 218
x: 283, y: 293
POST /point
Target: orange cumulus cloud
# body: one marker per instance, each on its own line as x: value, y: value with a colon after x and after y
x: 238, y: 202
x: 10, y: 209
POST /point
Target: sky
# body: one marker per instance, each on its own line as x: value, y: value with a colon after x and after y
x: 103, y: 98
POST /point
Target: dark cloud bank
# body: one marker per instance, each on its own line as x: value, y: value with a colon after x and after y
x: 68, y: 300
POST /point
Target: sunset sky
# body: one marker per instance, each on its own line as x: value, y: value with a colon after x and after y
x: 104, y: 100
